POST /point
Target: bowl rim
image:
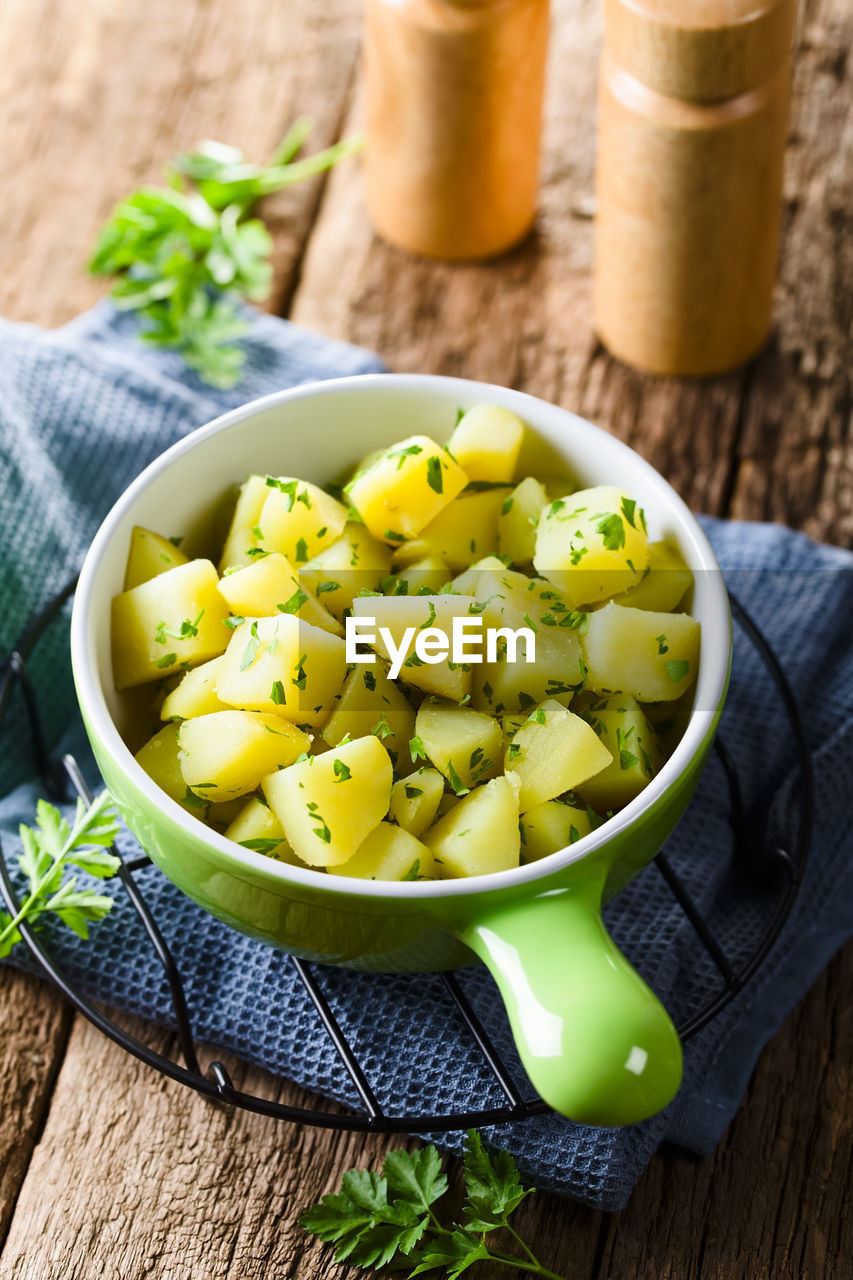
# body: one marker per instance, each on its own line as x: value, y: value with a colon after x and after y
x: 712, y: 680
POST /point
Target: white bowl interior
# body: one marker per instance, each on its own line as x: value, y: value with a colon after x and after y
x: 317, y: 432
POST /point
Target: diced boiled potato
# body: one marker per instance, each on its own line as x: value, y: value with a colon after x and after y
x: 631, y: 741
x: 654, y: 656
x: 480, y: 833
x: 159, y: 759
x: 415, y: 800
x: 487, y: 441
x: 371, y: 703
x: 466, y: 530
x: 467, y: 583
x: 227, y: 753
x: 389, y: 853
x: 257, y: 828
x: 406, y: 488
x: 519, y: 520
x: 403, y: 617
x: 508, y: 686
x: 465, y: 745
x: 592, y: 544
x: 355, y: 562
x: 175, y: 620
x: 283, y: 666
x: 195, y: 695
x: 447, y: 802
x: 329, y: 804
x: 299, y: 520
x: 551, y: 826
x: 269, y: 585
x: 664, y: 584
x: 554, y: 752
x: 149, y: 556
x: 419, y: 578
x: 222, y: 814
x: 243, y: 533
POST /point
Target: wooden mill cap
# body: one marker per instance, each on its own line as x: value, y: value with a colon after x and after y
x: 702, y: 50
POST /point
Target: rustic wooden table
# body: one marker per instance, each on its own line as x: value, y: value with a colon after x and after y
x: 105, y: 1169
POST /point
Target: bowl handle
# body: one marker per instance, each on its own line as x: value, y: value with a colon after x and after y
x: 596, y: 1042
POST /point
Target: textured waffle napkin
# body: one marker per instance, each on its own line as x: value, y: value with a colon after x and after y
x: 82, y: 410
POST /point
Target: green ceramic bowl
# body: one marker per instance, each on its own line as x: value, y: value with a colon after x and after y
x: 595, y: 1041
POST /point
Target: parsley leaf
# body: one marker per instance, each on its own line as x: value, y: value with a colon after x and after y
x: 676, y: 669
x: 184, y: 254
x: 435, y: 479
x: 48, y: 850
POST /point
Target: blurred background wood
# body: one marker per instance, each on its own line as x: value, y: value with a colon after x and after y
x: 107, y: 1170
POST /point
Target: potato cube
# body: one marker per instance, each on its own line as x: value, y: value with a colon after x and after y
x: 486, y: 442
x: 480, y: 833
x: 664, y: 583
x: 149, y: 556
x: 519, y: 520
x: 298, y: 519
x: 421, y: 577
x: 174, y: 621
x: 406, y: 488
x: 355, y: 562
x: 631, y: 741
x: 227, y: 753
x: 402, y: 618
x: 592, y: 544
x: 415, y: 800
x: 329, y: 804
x: 389, y: 853
x: 159, y: 759
x: 269, y: 585
x: 195, y: 695
x: 554, y: 752
x: 465, y: 745
x: 243, y: 532
x: 466, y: 530
x: 283, y: 666
x: 222, y: 814
x: 371, y: 703
x: 257, y: 828
x: 551, y: 826
x: 653, y: 656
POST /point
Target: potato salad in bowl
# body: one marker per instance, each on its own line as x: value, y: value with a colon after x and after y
x: 442, y: 666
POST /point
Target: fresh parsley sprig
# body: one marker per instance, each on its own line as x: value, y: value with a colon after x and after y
x: 183, y: 253
x: 49, y: 849
x: 377, y: 1219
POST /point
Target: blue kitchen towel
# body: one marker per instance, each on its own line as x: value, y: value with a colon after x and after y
x: 82, y: 410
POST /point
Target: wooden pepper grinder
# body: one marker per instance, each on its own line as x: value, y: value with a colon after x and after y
x: 454, y: 103
x: 693, y: 108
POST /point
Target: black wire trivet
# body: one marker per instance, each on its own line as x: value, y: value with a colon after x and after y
x: 778, y: 872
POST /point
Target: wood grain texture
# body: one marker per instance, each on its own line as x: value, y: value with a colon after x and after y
x: 35, y: 1023
x: 135, y: 1177
x: 96, y: 98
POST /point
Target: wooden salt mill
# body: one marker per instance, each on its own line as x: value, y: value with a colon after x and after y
x: 454, y: 105
x: 693, y: 108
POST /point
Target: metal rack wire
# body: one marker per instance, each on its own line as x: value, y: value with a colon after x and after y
x: 780, y: 872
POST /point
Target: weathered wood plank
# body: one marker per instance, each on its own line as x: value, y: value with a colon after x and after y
x: 99, y: 97
x: 35, y: 1023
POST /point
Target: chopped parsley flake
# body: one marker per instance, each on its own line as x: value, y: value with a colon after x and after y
x: 506, y: 505
x: 299, y: 678
x: 277, y: 693
x: 295, y: 603
x: 611, y: 529
x: 455, y: 781
x: 328, y: 585
x: 435, y: 480
x: 414, y: 869
x: 416, y: 749
x: 663, y: 647
x: 676, y: 669
x: 301, y: 551
x: 168, y: 660
x: 629, y: 507
x: 342, y: 771
x: 251, y: 650
x: 322, y: 832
